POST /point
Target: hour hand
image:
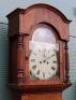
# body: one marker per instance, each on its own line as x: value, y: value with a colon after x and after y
x: 44, y: 53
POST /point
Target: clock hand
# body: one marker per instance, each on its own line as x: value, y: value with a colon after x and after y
x: 44, y: 50
x: 50, y: 57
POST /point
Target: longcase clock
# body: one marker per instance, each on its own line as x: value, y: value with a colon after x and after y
x: 39, y: 62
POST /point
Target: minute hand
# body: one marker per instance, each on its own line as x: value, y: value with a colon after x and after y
x: 50, y: 57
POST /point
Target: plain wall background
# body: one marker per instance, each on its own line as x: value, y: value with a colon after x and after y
x: 6, y: 6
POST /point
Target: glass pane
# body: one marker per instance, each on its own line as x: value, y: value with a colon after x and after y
x: 44, y: 34
x: 43, y: 56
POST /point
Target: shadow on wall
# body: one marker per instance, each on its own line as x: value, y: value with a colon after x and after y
x: 5, y: 93
x: 70, y: 93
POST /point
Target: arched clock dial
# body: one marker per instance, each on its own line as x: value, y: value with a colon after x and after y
x: 43, y: 57
x: 43, y: 62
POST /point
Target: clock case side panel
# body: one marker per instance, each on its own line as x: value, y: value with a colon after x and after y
x: 12, y: 63
x: 16, y: 67
x: 17, y: 73
x: 16, y: 24
x: 64, y: 65
x: 13, y: 28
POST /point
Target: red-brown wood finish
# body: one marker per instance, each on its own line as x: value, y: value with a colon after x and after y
x: 21, y: 24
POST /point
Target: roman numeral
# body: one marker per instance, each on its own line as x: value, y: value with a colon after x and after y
x: 32, y: 60
x: 38, y: 72
x: 43, y: 75
x: 34, y: 67
x: 53, y: 68
x: 54, y: 61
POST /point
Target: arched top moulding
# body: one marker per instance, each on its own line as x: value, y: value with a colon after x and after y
x: 22, y: 20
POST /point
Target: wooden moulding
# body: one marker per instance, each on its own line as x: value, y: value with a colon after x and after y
x: 43, y: 88
x: 22, y: 20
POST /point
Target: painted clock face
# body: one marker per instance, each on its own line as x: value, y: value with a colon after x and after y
x: 43, y: 56
x: 43, y: 61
